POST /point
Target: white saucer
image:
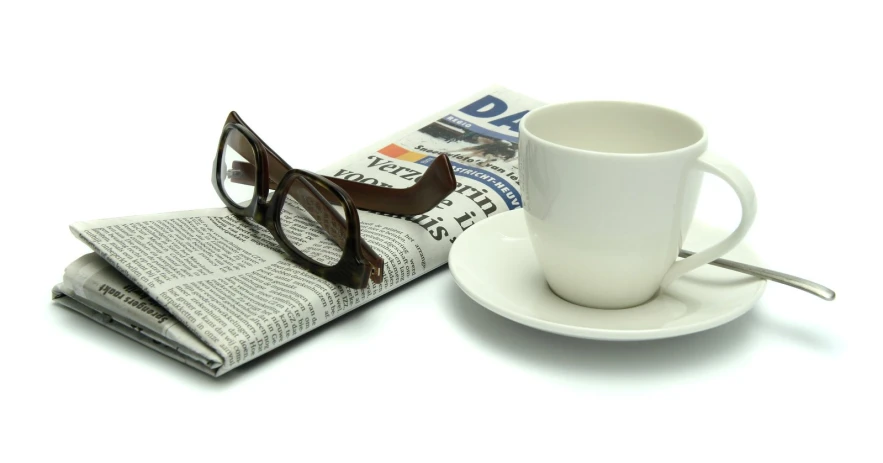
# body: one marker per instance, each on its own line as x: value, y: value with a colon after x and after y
x: 493, y: 262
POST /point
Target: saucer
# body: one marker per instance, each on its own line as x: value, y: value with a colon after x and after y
x: 493, y: 263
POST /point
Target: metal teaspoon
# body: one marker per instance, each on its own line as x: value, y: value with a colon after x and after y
x: 771, y: 275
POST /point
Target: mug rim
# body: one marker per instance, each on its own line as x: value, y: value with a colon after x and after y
x: 524, y: 130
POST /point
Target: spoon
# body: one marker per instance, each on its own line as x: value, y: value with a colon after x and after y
x: 771, y: 275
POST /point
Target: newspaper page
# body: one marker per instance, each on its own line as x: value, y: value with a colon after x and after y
x: 226, y: 282
x: 92, y: 287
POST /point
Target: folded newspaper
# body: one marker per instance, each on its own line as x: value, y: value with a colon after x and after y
x: 215, y: 291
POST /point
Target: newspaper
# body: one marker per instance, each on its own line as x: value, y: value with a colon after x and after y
x: 215, y: 291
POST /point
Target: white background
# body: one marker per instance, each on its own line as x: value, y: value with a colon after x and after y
x: 111, y: 109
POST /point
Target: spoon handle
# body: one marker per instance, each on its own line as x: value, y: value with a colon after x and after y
x: 779, y: 277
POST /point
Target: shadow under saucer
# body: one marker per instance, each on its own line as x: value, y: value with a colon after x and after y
x: 573, y: 356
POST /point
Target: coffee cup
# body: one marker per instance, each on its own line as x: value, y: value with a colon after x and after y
x: 609, y: 190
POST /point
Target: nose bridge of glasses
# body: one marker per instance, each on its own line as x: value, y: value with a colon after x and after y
x: 261, y: 216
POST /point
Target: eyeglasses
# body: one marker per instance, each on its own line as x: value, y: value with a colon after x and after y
x: 314, y: 218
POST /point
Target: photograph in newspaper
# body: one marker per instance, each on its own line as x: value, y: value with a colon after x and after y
x: 227, y: 283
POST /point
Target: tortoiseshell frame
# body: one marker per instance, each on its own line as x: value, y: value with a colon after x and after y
x: 357, y: 265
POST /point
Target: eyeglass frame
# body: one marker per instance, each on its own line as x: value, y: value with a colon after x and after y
x: 358, y: 263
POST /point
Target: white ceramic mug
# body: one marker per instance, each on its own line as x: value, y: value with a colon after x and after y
x: 609, y: 193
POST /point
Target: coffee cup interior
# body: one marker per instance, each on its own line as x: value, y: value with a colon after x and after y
x: 614, y: 127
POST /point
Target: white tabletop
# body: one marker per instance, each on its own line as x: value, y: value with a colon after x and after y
x: 116, y: 110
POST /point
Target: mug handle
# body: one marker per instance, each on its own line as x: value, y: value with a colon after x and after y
x: 740, y: 184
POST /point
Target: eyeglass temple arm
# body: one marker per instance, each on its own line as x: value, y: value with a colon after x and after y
x: 433, y: 186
